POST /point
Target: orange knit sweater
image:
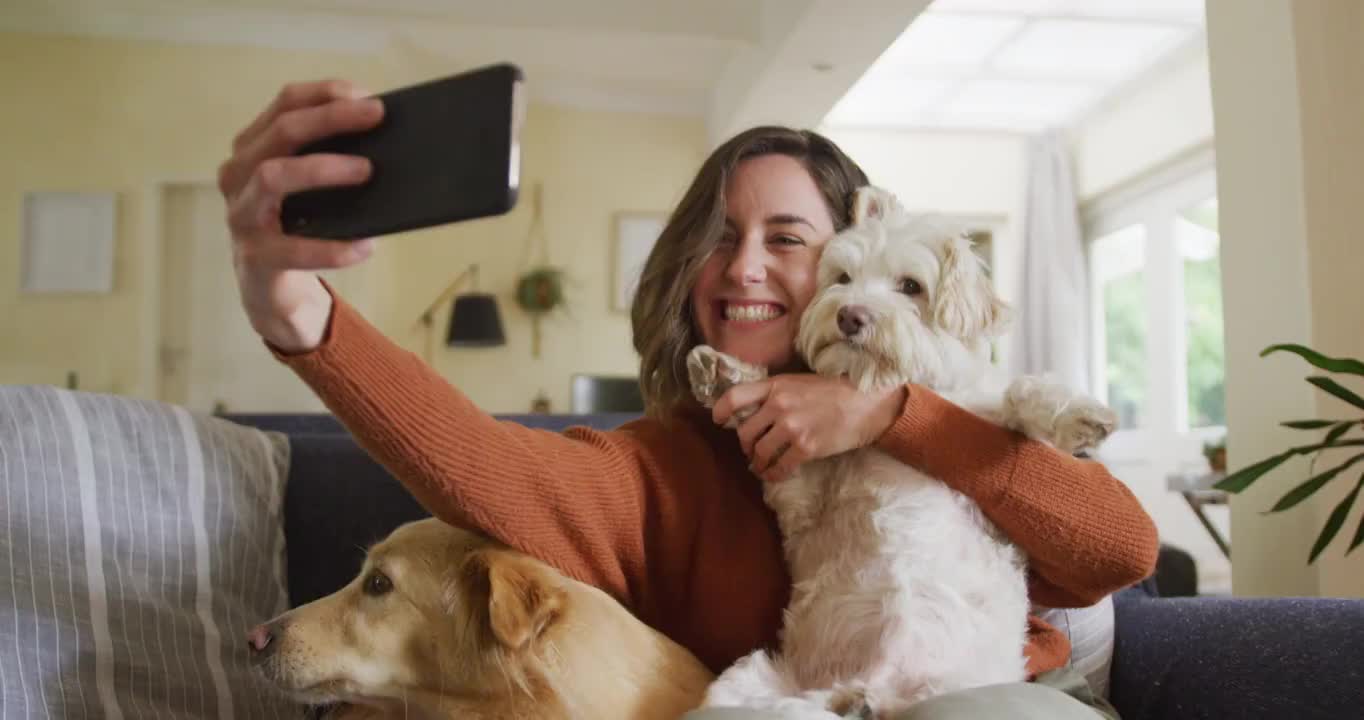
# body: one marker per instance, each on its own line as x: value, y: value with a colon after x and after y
x: 667, y: 517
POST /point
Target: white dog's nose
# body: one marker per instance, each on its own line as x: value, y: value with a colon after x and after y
x: 852, y: 318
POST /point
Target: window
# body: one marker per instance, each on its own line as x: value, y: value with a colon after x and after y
x: 1118, y: 262
x: 1197, y: 239
x: 1156, y: 307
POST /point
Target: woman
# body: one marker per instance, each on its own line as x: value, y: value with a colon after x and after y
x: 665, y: 513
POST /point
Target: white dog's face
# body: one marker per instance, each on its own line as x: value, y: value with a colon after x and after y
x: 900, y: 299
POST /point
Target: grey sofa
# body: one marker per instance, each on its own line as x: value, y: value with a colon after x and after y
x: 1173, y: 657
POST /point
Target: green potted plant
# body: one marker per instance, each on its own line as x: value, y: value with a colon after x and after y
x: 1336, y: 436
x: 1216, y: 454
x: 540, y: 291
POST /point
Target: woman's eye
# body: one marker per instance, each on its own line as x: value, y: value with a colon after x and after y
x: 788, y: 240
x: 844, y: 278
x: 910, y: 287
x: 377, y: 583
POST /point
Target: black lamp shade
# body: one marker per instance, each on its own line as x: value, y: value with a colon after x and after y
x: 475, y: 322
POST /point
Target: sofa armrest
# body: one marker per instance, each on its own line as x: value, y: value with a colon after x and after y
x: 1237, y: 657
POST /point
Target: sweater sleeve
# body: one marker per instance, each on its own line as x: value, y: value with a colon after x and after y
x: 1084, y: 532
x: 574, y: 499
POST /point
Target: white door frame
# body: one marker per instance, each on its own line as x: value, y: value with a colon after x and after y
x: 153, y: 207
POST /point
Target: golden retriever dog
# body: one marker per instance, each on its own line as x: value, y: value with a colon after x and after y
x: 444, y: 623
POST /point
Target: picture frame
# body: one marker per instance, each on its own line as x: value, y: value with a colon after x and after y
x: 635, y: 233
x: 68, y: 242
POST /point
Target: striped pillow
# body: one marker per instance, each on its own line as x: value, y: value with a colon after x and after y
x: 138, y: 542
x: 1091, y: 632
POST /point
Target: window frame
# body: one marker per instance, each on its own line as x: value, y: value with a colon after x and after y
x: 1155, y: 203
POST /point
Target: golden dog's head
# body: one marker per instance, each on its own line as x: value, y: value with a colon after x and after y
x: 437, y: 616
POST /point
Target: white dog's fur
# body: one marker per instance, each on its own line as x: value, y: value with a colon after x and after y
x: 903, y: 588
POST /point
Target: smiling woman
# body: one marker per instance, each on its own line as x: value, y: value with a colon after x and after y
x: 755, y: 285
x: 735, y: 265
x: 665, y: 512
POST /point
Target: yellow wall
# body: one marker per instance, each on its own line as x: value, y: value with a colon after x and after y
x: 1287, y: 83
x: 105, y: 115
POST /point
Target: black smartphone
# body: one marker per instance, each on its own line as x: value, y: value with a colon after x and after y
x: 447, y: 150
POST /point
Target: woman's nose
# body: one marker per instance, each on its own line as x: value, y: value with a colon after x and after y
x: 748, y: 265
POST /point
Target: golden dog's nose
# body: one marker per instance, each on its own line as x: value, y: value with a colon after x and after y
x: 259, y: 639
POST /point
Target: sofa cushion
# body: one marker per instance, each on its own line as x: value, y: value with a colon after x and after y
x: 338, y: 503
x: 140, y: 543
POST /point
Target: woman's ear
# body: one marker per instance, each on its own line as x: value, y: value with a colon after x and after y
x: 966, y: 305
x: 874, y: 203
x: 521, y: 601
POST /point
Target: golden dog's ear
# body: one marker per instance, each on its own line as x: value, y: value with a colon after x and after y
x: 966, y: 304
x: 521, y: 601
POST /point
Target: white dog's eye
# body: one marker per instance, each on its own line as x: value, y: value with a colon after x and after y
x: 844, y: 279
x: 377, y: 583
x: 910, y: 287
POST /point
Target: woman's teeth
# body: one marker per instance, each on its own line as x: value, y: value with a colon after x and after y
x: 752, y: 313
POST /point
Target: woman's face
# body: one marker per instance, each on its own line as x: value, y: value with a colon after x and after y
x: 752, y: 290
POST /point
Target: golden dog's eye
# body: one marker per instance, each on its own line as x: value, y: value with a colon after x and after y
x: 377, y: 584
x: 844, y: 279
x: 910, y: 287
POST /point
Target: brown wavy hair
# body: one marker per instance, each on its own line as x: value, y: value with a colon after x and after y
x: 661, y: 315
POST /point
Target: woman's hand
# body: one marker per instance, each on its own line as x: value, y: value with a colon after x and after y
x: 803, y: 417
x: 283, y: 298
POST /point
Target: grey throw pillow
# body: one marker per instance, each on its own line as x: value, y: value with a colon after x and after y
x: 138, y: 543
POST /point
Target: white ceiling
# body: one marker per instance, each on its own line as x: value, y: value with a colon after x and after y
x: 733, y: 62
x: 1015, y: 65
x: 613, y: 54
x: 1000, y: 64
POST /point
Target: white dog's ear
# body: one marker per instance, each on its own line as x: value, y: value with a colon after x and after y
x: 966, y: 304
x: 521, y: 602
x: 874, y: 203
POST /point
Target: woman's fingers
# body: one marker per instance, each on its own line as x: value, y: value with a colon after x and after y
x: 293, y: 129
x: 256, y: 207
x: 770, y: 448
x: 292, y: 97
x: 253, y: 215
x: 739, y: 396
x: 756, y: 427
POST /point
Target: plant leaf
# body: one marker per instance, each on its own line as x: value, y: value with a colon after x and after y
x: 1313, y: 484
x: 1333, y: 523
x: 1336, y: 365
x: 1359, y: 532
x: 1308, y: 424
x: 1335, y: 388
x: 1337, y: 431
x: 1241, y: 479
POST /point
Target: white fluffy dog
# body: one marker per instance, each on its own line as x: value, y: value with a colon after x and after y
x: 903, y: 588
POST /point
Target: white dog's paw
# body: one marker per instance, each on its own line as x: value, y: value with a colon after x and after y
x: 1084, y: 425
x: 1053, y: 413
x: 753, y: 681
x: 712, y: 373
x: 849, y: 701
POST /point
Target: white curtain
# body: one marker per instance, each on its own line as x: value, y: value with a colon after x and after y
x: 1052, y: 332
